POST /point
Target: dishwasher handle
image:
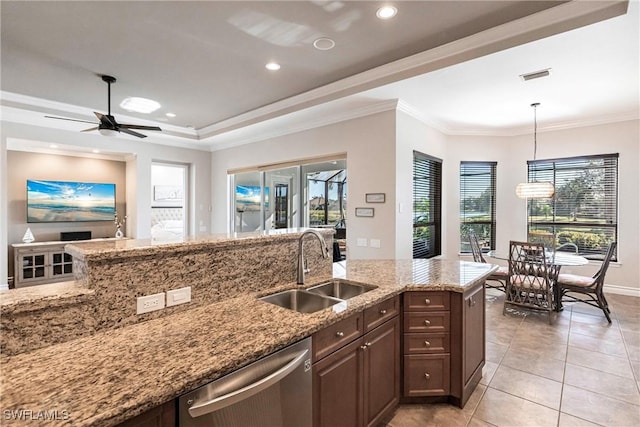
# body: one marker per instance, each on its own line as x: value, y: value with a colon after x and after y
x: 220, y: 402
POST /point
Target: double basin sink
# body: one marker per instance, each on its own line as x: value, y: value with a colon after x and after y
x: 318, y: 297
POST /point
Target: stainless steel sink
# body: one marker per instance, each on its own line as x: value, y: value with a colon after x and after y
x: 340, y: 289
x: 301, y: 300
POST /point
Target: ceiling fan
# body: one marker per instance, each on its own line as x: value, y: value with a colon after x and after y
x: 107, y: 122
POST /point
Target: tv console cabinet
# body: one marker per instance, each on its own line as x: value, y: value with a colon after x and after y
x: 38, y: 263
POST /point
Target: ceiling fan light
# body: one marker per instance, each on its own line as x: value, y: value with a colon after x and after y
x: 140, y: 105
x: 107, y: 132
x: 535, y: 190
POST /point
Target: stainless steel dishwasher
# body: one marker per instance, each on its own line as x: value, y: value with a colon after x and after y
x: 274, y: 391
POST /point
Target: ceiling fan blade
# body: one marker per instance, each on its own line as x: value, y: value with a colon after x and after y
x: 130, y: 132
x: 90, y: 129
x: 140, y: 127
x: 106, y: 120
x: 71, y: 120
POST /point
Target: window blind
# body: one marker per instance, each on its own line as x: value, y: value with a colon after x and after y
x: 478, y: 204
x: 584, y: 208
x: 427, y: 205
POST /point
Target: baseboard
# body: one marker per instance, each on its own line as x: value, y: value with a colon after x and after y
x: 622, y: 290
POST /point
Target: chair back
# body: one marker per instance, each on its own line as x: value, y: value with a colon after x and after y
x: 528, y: 266
x: 475, y: 247
x: 599, y: 276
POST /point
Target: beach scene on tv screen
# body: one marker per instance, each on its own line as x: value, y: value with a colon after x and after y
x: 63, y: 201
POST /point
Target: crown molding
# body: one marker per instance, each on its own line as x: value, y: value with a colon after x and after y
x: 275, y: 131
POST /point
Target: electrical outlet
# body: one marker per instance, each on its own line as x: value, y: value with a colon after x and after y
x: 361, y: 242
x: 149, y: 303
x: 178, y: 296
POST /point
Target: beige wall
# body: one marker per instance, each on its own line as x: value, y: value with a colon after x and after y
x: 369, y: 144
x: 512, y: 153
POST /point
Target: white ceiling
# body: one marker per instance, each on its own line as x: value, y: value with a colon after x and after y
x: 205, y: 61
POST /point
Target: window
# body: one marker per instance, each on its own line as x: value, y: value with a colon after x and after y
x: 427, y: 189
x: 584, y: 208
x: 478, y: 204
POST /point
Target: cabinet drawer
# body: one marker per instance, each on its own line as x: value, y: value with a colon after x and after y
x: 426, y: 343
x: 335, y: 336
x: 426, y: 375
x: 426, y: 301
x: 380, y: 313
x: 436, y: 321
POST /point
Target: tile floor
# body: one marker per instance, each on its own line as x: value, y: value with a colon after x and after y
x: 580, y: 371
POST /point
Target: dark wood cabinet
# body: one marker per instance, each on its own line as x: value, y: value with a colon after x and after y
x: 443, y: 344
x: 359, y: 383
x: 160, y: 416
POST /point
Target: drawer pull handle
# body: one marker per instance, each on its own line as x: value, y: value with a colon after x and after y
x: 427, y: 322
x: 427, y: 301
x: 363, y: 347
x: 383, y: 312
x: 427, y: 376
x: 427, y: 343
x: 339, y: 334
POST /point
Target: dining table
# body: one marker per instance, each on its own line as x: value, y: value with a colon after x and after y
x: 557, y: 259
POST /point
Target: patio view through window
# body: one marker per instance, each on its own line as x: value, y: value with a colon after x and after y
x: 584, y: 208
x: 478, y: 204
x: 427, y: 191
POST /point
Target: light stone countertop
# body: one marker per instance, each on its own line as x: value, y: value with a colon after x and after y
x: 114, y: 375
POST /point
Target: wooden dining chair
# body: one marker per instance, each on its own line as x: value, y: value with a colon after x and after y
x: 499, y: 276
x: 589, y: 288
x: 530, y: 279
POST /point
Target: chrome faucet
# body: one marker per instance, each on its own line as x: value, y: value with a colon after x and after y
x: 302, y: 268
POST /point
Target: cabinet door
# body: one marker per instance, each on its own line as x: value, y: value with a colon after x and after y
x: 473, y: 333
x: 61, y: 264
x: 33, y: 266
x: 337, y: 388
x: 381, y: 371
x: 160, y: 416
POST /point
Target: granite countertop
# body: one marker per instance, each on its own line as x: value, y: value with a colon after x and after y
x: 114, y: 375
x: 124, y: 248
x: 32, y: 298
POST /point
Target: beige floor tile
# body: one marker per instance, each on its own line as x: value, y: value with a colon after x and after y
x: 635, y: 366
x: 528, y: 386
x: 596, y: 331
x: 632, y: 342
x: 614, y: 347
x: 552, y: 369
x: 614, y: 386
x: 429, y: 415
x: 542, y: 350
x: 593, y: 320
x: 495, y: 352
x: 598, y: 408
x: 599, y: 361
x: 567, y: 420
x: 487, y: 372
x: 475, y: 422
x: 474, y: 400
x: 502, y: 409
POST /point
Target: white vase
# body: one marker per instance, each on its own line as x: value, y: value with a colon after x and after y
x: 119, y: 233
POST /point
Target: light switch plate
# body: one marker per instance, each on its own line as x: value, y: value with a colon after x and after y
x: 374, y: 243
x: 178, y: 296
x: 361, y: 242
x: 149, y: 303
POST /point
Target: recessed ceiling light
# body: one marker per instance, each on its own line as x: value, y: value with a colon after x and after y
x: 536, y: 74
x: 140, y: 105
x: 95, y: 151
x: 324, y: 43
x: 386, y: 12
x: 170, y: 114
x: 272, y: 66
x: 53, y: 146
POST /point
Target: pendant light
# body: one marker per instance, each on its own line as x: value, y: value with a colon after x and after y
x: 535, y: 189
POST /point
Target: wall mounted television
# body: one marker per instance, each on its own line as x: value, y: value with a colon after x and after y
x: 69, y: 201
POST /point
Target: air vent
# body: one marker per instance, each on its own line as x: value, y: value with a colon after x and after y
x: 535, y: 74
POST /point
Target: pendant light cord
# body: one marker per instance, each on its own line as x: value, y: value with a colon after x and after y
x: 535, y: 128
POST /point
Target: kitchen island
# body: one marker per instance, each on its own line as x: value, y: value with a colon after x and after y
x: 114, y: 375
